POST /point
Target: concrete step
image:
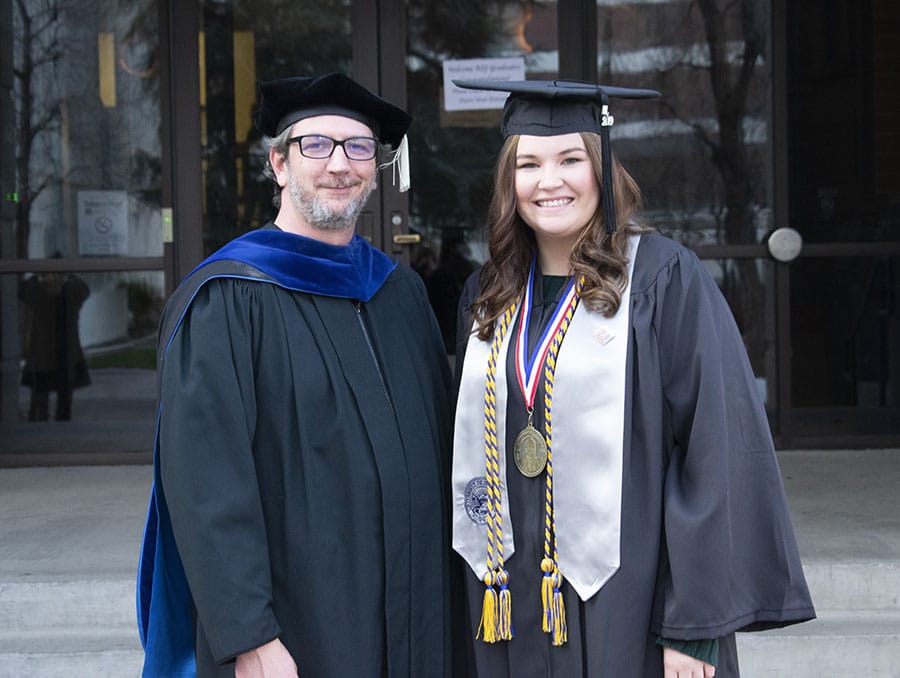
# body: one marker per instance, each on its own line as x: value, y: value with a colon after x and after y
x: 90, y: 624
x: 857, y: 631
x: 854, y: 585
x: 50, y: 629
x: 848, y: 585
x: 836, y: 644
x: 27, y: 606
x: 96, y: 652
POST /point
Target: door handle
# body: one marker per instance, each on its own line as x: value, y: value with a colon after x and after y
x: 785, y: 244
x: 407, y: 239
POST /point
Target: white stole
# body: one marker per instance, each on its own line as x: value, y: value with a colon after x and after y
x: 588, y: 434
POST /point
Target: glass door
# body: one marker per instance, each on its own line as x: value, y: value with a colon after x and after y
x: 81, y: 272
x: 242, y: 43
x: 839, y: 305
x: 453, y: 151
x: 134, y: 157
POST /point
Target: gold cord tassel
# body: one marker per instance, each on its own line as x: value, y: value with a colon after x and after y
x: 496, y: 610
x: 547, y: 568
x: 504, y: 618
x: 560, y: 632
x: 489, y: 623
x: 554, y: 607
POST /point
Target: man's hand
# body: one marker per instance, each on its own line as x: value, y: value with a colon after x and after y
x: 679, y: 665
x: 271, y: 660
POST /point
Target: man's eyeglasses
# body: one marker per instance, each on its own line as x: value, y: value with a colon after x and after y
x: 318, y: 147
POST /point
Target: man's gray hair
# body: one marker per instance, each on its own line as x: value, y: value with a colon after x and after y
x: 280, y: 145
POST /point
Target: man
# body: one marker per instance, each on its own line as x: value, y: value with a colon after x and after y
x: 303, y: 442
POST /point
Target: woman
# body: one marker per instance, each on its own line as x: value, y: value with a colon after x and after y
x: 616, y: 494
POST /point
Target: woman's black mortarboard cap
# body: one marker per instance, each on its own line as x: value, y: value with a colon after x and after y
x: 284, y: 102
x: 554, y: 107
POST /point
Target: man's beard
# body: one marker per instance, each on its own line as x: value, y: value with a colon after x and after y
x: 320, y: 214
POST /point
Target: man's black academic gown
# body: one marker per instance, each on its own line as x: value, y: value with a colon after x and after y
x: 303, y: 446
x: 707, y: 546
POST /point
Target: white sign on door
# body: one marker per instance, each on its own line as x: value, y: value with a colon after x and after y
x: 459, y: 99
x: 102, y: 223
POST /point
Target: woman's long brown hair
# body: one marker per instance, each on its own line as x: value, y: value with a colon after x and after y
x: 597, y: 256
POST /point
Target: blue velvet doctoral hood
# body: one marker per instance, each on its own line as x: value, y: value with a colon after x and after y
x: 354, y: 271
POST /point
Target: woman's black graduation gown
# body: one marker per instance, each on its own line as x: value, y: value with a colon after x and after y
x: 303, y: 456
x: 707, y: 546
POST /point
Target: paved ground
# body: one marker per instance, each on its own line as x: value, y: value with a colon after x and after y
x: 845, y: 504
x: 65, y: 520
x: 71, y: 522
x: 70, y: 540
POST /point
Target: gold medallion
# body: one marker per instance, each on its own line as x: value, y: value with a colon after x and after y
x: 530, y: 451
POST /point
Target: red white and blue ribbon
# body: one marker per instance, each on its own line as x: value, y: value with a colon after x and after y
x: 528, y: 367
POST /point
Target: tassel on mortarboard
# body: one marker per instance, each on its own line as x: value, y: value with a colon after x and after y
x: 400, y: 165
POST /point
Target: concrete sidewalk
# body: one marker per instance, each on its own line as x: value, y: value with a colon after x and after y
x: 70, y: 540
x: 69, y: 545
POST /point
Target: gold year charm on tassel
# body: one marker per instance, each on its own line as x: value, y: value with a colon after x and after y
x: 530, y: 450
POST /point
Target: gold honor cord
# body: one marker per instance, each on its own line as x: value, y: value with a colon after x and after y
x: 496, y: 611
x: 554, y: 618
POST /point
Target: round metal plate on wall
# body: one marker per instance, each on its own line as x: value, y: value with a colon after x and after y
x: 785, y: 244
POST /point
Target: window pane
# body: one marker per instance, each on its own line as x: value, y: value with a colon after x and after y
x: 86, y: 94
x: 844, y: 152
x: 701, y: 153
x: 844, y: 316
x: 453, y: 154
x: 87, y: 156
x: 243, y: 43
x: 743, y: 283
x: 88, y: 354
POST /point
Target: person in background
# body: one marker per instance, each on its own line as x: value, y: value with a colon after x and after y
x: 299, y: 522
x: 616, y: 493
x: 54, y: 359
x: 445, y: 285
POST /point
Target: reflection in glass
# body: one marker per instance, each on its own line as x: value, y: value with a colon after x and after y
x: 87, y: 154
x: 86, y: 95
x: 243, y: 43
x: 51, y: 348
x: 753, y: 319
x: 453, y: 154
x: 88, y: 347
x: 703, y: 157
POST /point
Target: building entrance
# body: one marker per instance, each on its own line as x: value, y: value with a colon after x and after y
x: 133, y: 157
